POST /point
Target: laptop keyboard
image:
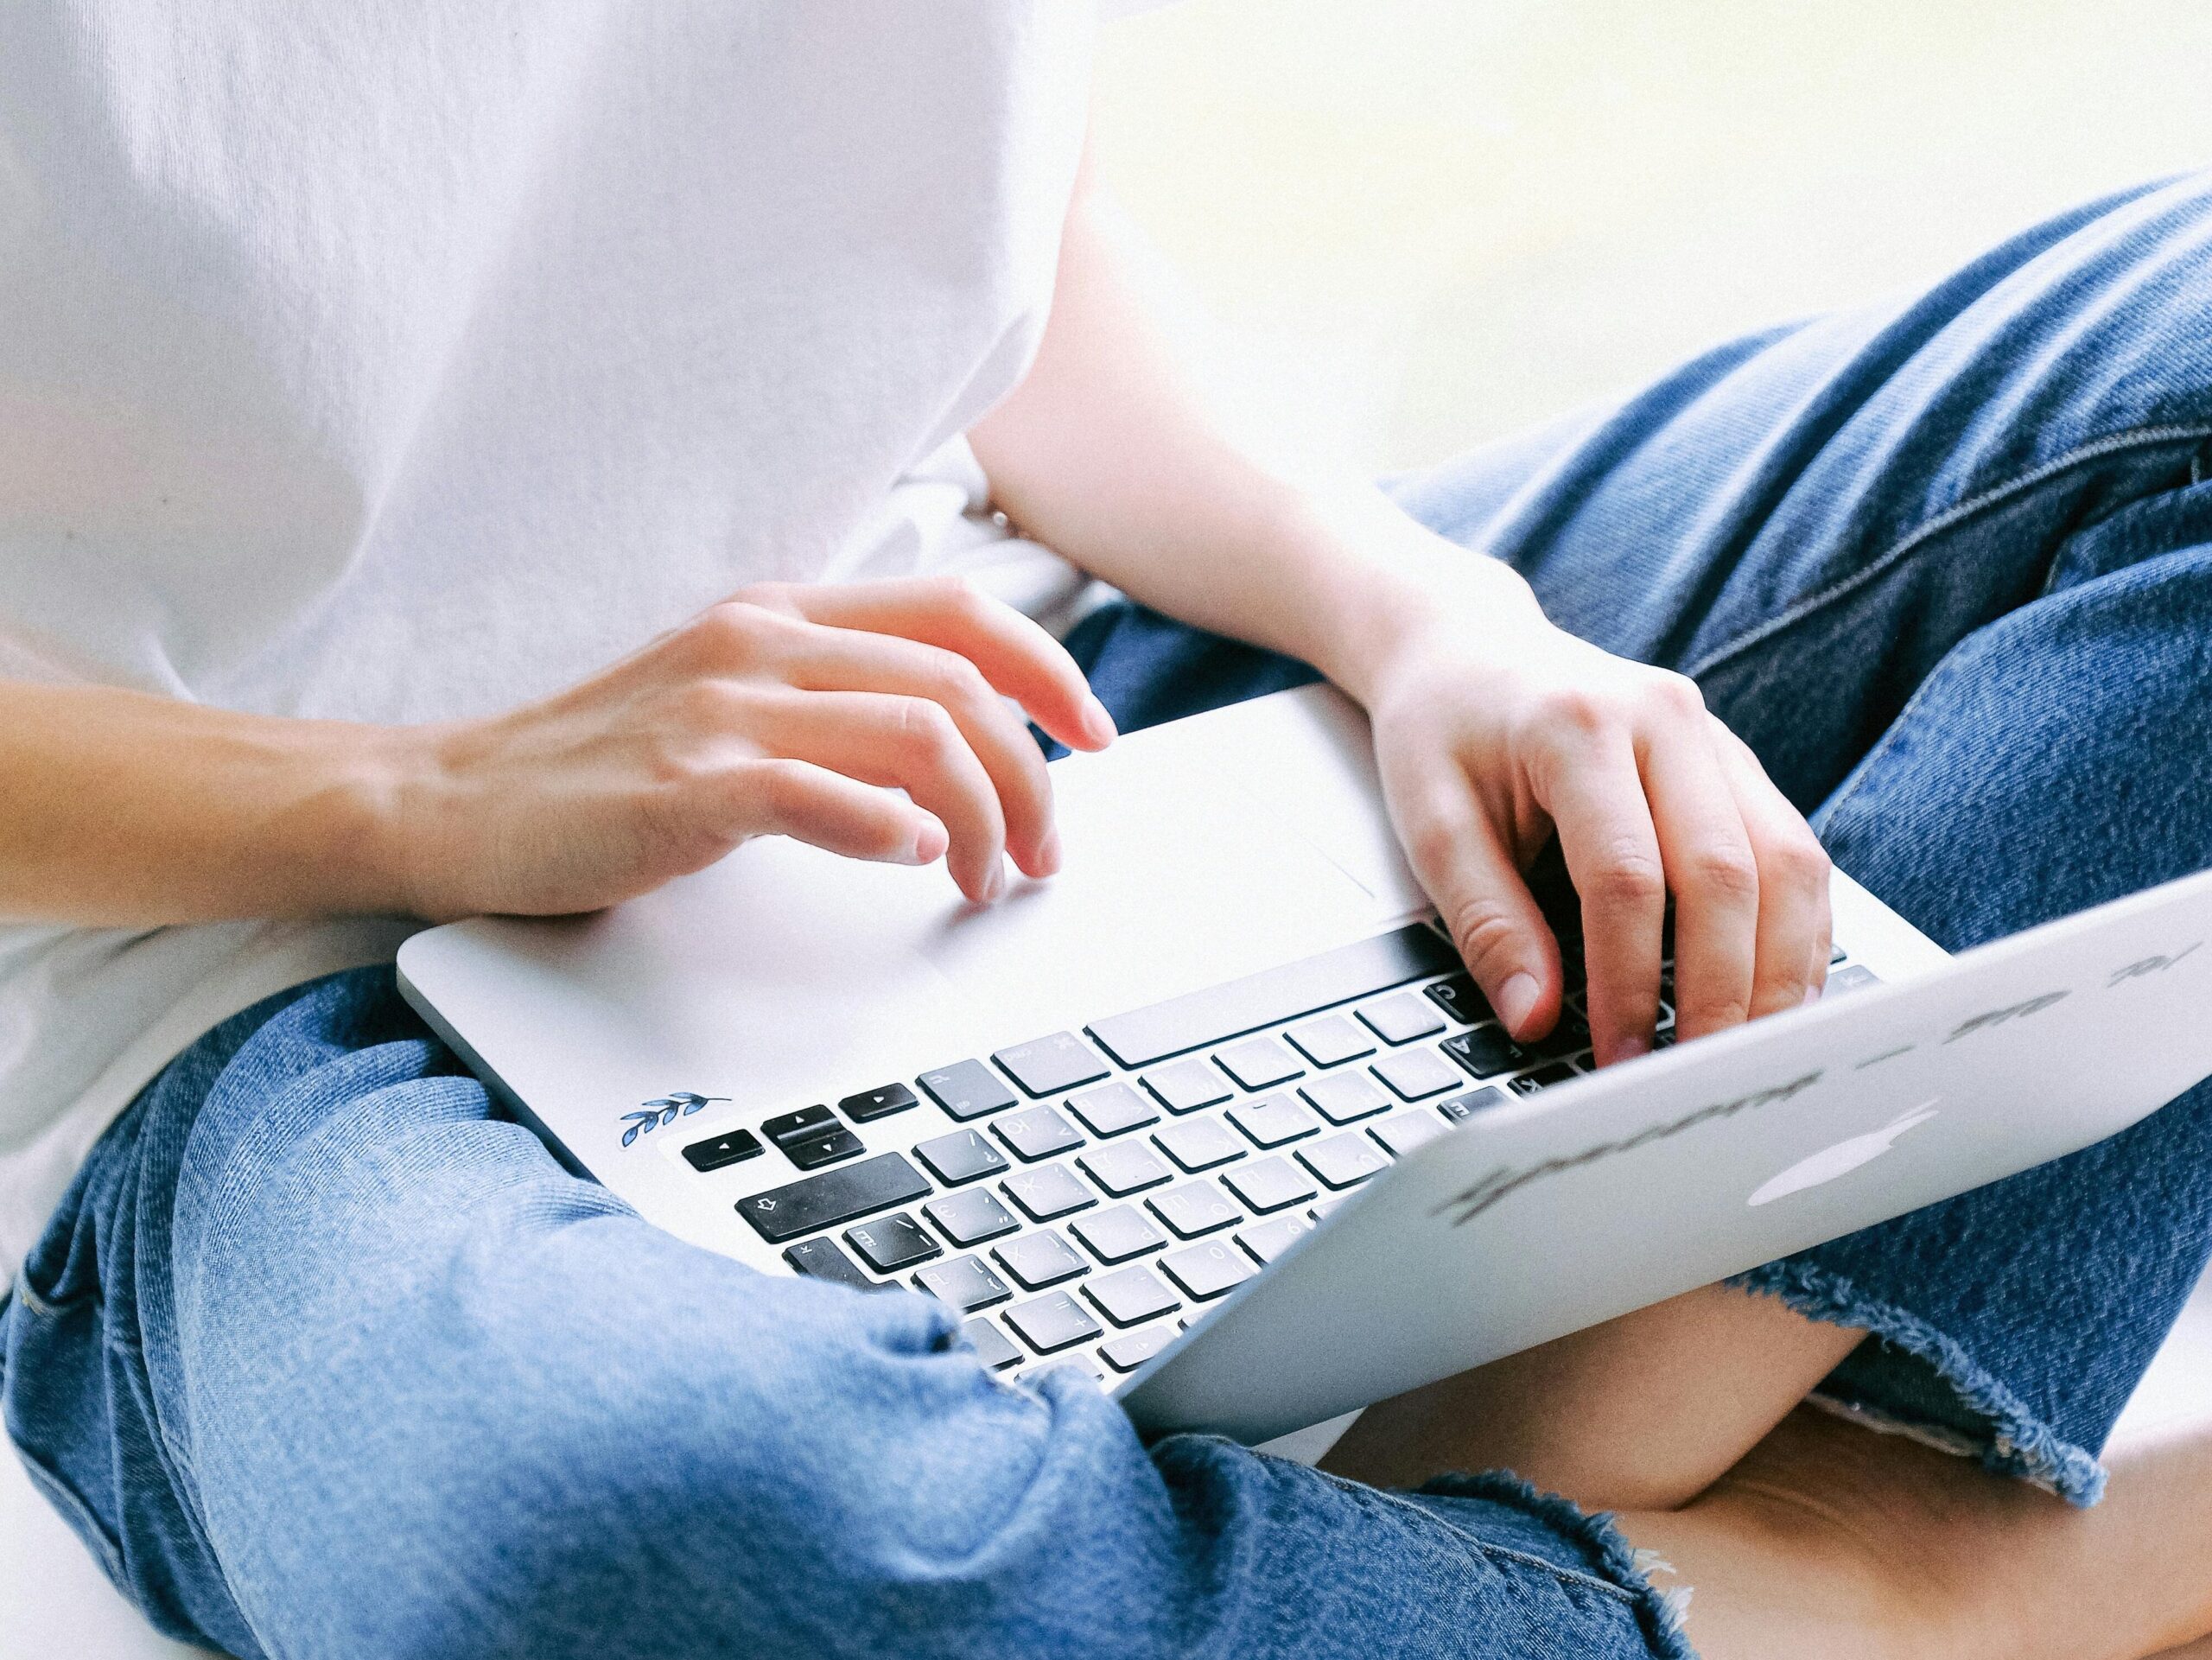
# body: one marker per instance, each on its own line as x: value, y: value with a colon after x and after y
x: 1109, y: 1187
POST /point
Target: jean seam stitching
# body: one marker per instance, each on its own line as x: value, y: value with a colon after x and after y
x: 1480, y: 1547
x: 1937, y: 679
x: 1949, y: 518
x: 32, y: 1300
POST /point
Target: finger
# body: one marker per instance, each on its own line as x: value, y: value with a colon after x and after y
x: 1016, y: 656
x: 1796, y: 925
x: 1595, y: 796
x: 840, y: 815
x: 842, y: 659
x: 1463, y: 864
x: 905, y: 743
x: 1707, y: 854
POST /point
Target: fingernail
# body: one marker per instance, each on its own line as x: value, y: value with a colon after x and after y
x: 1097, y: 722
x: 929, y: 844
x: 1516, y: 1001
x: 1048, y: 853
x: 994, y: 882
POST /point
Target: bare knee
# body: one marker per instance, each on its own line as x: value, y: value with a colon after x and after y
x: 1643, y: 1412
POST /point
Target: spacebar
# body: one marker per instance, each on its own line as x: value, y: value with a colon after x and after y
x: 1230, y: 1010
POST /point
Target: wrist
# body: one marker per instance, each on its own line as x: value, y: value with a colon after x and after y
x: 400, y: 798
x: 1383, y: 583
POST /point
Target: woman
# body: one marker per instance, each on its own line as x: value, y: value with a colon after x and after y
x: 372, y: 385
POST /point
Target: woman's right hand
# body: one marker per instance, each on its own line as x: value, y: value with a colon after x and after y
x: 787, y: 711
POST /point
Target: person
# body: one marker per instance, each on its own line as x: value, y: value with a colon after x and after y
x: 369, y: 390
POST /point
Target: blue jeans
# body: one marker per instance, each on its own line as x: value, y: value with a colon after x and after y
x: 321, y: 1357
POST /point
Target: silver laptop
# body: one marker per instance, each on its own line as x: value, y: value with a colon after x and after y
x: 1214, y: 1113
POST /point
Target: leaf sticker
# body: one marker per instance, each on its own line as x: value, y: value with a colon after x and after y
x: 630, y: 1134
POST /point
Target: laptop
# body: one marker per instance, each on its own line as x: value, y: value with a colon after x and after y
x: 1214, y: 1114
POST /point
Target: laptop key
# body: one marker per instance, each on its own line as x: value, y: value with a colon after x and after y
x: 820, y: 1259
x: 1270, y: 1184
x: 1052, y: 1322
x: 836, y: 1196
x: 1486, y: 1051
x: 1331, y: 1041
x: 1199, y: 1144
x: 993, y: 1347
x: 970, y: 1216
x: 1343, y: 1160
x: 1273, y: 1120
x: 812, y: 1152
x: 1543, y: 1078
x: 1571, y: 1036
x: 871, y: 1104
x: 789, y: 1127
x: 1344, y: 1097
x: 968, y: 1089
x: 965, y: 1282
x: 1462, y: 999
x: 1857, y: 977
x: 1037, y: 1260
x: 1195, y: 1209
x: 1258, y: 1063
x: 1049, y: 1191
x: 1461, y: 1108
x: 730, y: 1149
x: 1416, y: 1074
x: 1400, y: 1133
x: 1051, y: 1066
x: 1132, y: 1349
x: 1328, y: 1202
x: 964, y: 1155
x: 1130, y: 1296
x: 1186, y: 1086
x: 1121, y: 1169
x: 1274, y: 995
x: 1117, y: 1234
x: 1206, y: 1271
x: 1113, y: 1109
x: 1401, y: 1017
x: 1037, y: 1133
x: 892, y: 1243
x: 1267, y: 1240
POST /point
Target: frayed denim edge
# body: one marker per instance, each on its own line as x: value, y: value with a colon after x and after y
x: 1658, y: 1612
x: 2020, y: 1445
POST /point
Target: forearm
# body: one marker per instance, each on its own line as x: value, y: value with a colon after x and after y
x: 122, y: 808
x: 1104, y: 454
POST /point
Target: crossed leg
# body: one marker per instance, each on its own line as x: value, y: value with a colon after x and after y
x: 1950, y: 572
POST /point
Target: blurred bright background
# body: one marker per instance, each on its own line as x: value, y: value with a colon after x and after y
x: 1420, y: 222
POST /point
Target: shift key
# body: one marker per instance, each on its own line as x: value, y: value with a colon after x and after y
x: 835, y: 1196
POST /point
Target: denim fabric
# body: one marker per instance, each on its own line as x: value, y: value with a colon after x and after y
x: 1947, y: 568
x: 324, y: 1358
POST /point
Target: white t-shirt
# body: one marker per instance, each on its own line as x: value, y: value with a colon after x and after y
x: 404, y: 363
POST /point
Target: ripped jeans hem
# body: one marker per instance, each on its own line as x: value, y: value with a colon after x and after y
x: 2017, y: 1442
x: 1617, y: 1563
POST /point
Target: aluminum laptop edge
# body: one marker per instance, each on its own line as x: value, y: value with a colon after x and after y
x: 665, y: 1048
